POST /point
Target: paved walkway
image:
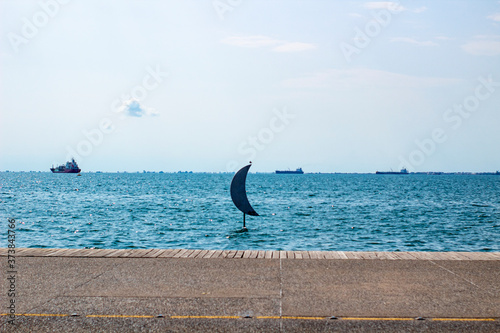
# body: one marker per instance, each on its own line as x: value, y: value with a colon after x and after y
x: 191, y: 290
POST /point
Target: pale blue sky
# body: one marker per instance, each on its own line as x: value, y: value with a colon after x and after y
x: 329, y: 86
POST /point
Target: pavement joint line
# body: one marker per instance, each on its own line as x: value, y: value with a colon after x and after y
x: 61, y: 294
x: 243, y: 317
x: 461, y: 277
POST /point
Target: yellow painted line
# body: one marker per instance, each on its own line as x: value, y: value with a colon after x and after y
x: 463, y: 319
x: 42, y: 315
x: 304, y: 318
x: 373, y: 318
x: 205, y: 317
x: 258, y: 317
x: 117, y: 316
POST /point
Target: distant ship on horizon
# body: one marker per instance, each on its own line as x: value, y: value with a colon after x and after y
x: 290, y: 172
x: 69, y: 167
x: 402, y: 172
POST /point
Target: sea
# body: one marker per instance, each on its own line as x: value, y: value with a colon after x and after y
x: 324, y: 212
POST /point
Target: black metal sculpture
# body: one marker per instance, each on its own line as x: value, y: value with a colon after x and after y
x: 239, y: 194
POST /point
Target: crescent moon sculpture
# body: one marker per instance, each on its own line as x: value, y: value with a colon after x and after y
x: 239, y: 193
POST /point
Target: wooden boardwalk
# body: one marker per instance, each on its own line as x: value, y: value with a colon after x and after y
x: 250, y: 254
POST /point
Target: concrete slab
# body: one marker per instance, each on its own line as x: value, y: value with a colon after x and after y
x: 152, y: 306
x: 190, y: 277
x: 373, y: 288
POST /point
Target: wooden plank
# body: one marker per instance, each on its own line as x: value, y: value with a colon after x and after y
x: 390, y: 256
x: 208, y: 254
x: 305, y: 254
x: 282, y: 254
x: 48, y: 252
x: 154, y: 253
x: 69, y: 252
x: 404, y: 256
x: 86, y: 252
x: 187, y: 254
x: 138, y: 253
x: 368, y: 255
x: 495, y: 255
x: 201, y: 254
x: 297, y: 254
x: 23, y: 252
x: 268, y: 255
x: 35, y: 252
x: 169, y: 253
x: 261, y: 255
x: 239, y: 254
x: 122, y: 253
x: 180, y: 253
x: 254, y: 254
x: 290, y: 255
x: 354, y: 255
x: 217, y: 254
x: 230, y: 254
x: 276, y: 254
x: 56, y: 253
x: 323, y: 255
x: 334, y: 255
x: 104, y: 252
x: 342, y: 255
x: 114, y: 253
x: 193, y: 253
x: 246, y: 254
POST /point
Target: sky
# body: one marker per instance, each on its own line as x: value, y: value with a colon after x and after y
x: 208, y: 85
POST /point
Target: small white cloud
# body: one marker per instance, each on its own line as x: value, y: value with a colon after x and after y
x: 389, y: 5
x: 495, y: 17
x: 264, y: 41
x: 444, y: 38
x: 294, y: 47
x: 420, y: 10
x: 251, y: 41
x: 483, y: 45
x: 356, y: 15
x: 133, y: 108
x: 413, y: 41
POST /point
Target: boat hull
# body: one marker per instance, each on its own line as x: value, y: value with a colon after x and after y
x: 66, y: 171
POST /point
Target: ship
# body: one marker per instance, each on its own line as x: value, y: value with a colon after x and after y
x: 402, y: 172
x: 290, y: 172
x: 69, y: 167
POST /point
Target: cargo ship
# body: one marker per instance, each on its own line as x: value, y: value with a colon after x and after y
x: 70, y: 167
x: 289, y: 172
x: 402, y: 172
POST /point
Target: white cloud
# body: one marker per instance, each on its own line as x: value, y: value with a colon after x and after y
x: 251, y: 41
x: 483, y: 45
x: 356, y: 15
x: 420, y: 10
x: 389, y: 5
x: 362, y: 77
x: 413, y: 41
x: 294, y: 47
x: 133, y: 108
x: 495, y: 17
x: 444, y: 38
x: 264, y: 41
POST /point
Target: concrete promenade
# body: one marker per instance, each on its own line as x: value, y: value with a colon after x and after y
x: 263, y: 291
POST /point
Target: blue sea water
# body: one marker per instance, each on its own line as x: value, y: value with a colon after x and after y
x: 340, y: 212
